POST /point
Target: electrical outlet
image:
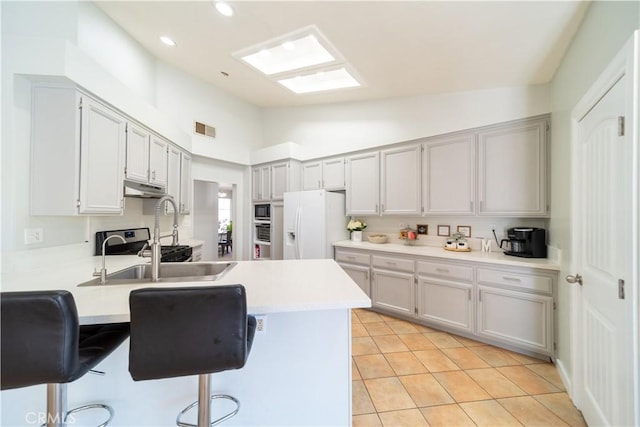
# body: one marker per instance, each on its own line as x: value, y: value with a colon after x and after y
x: 401, y: 225
x: 33, y: 235
x: 493, y: 227
x: 261, y: 324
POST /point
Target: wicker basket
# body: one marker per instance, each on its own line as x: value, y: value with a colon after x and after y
x: 377, y: 238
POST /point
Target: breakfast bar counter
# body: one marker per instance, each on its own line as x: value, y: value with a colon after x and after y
x: 298, y: 371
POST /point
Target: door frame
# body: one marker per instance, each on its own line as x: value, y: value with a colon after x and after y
x: 625, y: 62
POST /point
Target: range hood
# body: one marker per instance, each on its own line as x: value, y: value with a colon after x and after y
x: 138, y: 189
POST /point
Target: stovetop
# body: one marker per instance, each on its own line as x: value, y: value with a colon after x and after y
x: 136, y: 238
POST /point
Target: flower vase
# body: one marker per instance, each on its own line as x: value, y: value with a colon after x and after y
x: 356, y: 236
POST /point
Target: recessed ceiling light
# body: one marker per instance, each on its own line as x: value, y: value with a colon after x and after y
x: 224, y: 8
x: 167, y: 40
x: 321, y: 81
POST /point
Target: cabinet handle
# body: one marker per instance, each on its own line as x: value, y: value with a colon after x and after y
x: 376, y: 208
x: 391, y: 263
x: 480, y: 295
x: 511, y: 279
x: 153, y: 174
x: 442, y: 270
x: 471, y: 206
x: 351, y: 257
x: 383, y: 207
x: 319, y: 186
x: 469, y: 294
x: 366, y: 275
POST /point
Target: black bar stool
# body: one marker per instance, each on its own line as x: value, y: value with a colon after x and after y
x: 42, y: 343
x: 190, y: 331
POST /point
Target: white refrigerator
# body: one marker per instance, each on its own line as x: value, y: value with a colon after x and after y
x: 313, y: 220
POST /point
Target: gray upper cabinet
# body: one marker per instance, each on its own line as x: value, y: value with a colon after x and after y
x: 512, y: 172
x: 362, y: 184
x: 400, y: 181
x: 77, y: 154
x: 449, y: 175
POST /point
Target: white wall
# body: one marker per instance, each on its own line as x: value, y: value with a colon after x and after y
x: 325, y: 130
x: 105, y: 42
x: 186, y: 99
x: 605, y: 29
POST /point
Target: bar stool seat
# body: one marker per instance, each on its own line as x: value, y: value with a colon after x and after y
x: 190, y: 331
x: 42, y: 343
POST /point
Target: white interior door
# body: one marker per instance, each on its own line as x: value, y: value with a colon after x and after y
x: 604, y: 244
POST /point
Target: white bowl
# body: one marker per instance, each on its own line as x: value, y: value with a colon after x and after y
x: 377, y: 238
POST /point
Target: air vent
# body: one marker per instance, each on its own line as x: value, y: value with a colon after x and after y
x: 205, y: 130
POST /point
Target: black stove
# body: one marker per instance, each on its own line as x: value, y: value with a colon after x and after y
x: 136, y: 238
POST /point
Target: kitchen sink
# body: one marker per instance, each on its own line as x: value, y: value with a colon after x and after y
x: 169, y: 272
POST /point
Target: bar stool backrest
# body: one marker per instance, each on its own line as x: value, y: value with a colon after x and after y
x: 187, y: 331
x: 39, y: 338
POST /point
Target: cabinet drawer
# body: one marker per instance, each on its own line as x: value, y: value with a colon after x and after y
x: 352, y: 257
x: 447, y: 271
x: 517, y: 280
x: 391, y: 263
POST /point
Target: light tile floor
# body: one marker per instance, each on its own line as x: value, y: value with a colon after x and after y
x: 405, y: 374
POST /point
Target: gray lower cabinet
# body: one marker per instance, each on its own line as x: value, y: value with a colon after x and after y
x: 358, y: 274
x: 502, y: 305
x: 393, y: 291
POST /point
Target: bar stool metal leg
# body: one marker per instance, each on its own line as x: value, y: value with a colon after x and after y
x: 204, y: 405
x: 56, y: 404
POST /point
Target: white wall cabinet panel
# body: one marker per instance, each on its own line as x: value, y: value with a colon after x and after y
x: 312, y: 176
x: 184, y: 203
x: 517, y: 318
x: 400, y: 182
x: 512, y: 177
x: 137, y: 153
x: 173, y: 177
x: 261, y: 183
x: 279, y: 180
x: 449, y: 183
x: 333, y: 174
x: 362, y: 185
x: 158, y: 154
x: 77, y: 154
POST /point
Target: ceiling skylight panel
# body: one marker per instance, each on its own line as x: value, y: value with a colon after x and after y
x: 291, y: 55
x: 321, y: 81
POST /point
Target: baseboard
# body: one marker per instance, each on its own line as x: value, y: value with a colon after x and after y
x: 565, y: 377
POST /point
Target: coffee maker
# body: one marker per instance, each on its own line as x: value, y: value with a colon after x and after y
x: 526, y: 242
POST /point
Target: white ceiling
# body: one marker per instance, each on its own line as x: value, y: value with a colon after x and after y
x: 398, y: 48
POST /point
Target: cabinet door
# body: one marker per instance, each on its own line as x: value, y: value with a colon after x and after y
x: 158, y: 154
x: 362, y: 186
x: 393, y: 291
x: 102, y: 152
x: 312, y: 176
x: 256, y: 184
x: 449, y: 176
x: 512, y: 170
x: 185, y: 184
x: 400, y: 182
x: 358, y: 274
x: 517, y: 318
x: 279, y: 180
x: 445, y: 303
x: 333, y: 174
x: 137, y: 153
x: 173, y: 177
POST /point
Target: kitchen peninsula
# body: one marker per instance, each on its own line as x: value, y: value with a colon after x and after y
x: 298, y: 371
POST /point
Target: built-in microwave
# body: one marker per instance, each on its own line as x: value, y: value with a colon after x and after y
x: 262, y: 212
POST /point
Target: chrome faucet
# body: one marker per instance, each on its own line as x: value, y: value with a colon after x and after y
x: 155, y: 253
x: 103, y: 271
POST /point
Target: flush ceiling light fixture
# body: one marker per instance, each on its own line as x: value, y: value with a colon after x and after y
x: 224, y: 8
x: 167, y: 40
x: 294, y: 60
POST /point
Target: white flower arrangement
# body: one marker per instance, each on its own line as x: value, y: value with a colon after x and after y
x: 356, y: 225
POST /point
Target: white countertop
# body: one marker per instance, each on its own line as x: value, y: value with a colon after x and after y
x: 272, y: 286
x: 437, y: 252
